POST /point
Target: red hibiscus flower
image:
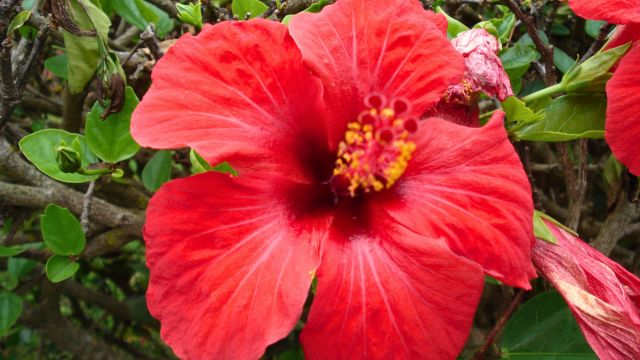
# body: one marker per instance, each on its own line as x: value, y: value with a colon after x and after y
x: 623, y: 122
x: 397, y: 219
x: 603, y: 296
x: 483, y: 73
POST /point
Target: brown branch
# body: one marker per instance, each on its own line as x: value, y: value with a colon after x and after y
x: 8, y: 92
x: 576, y: 185
x: 168, y: 6
x: 47, y: 319
x: 545, y: 51
x: 616, y: 224
x: 87, y: 199
x: 110, y: 304
x: 513, y: 306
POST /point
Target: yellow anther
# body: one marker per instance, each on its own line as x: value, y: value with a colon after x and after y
x: 388, y: 113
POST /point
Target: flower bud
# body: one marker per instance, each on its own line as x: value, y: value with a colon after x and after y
x: 68, y: 158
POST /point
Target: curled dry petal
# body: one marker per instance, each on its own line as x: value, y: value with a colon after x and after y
x: 602, y: 295
x: 484, y: 69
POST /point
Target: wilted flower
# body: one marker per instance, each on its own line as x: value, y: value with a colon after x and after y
x: 603, y: 296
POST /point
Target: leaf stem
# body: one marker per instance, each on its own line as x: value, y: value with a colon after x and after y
x: 548, y: 91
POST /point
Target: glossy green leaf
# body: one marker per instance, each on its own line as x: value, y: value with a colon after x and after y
x: 60, y: 268
x: 519, y: 55
x: 8, y: 281
x: 57, y: 65
x: 500, y: 28
x: 517, y: 111
x: 19, y: 267
x: 454, y: 27
x: 39, y: 148
x: 225, y: 168
x: 544, y: 328
x: 592, y: 27
x: 190, y: 14
x: 140, y: 14
x: 18, y: 21
x: 157, y: 171
x: 10, y: 310
x: 569, y: 117
x: 254, y: 8
x: 198, y: 163
x: 6, y: 251
x: 61, y: 231
x: 110, y: 139
x: 562, y: 61
x: 83, y: 53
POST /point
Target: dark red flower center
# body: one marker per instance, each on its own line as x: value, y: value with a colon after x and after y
x: 375, y: 151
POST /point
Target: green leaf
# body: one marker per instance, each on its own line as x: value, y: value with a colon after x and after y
x: 110, y: 138
x: 57, y: 65
x: 241, y: 8
x: 518, y: 113
x: 20, y: 267
x: 454, y: 27
x: 544, y: 328
x: 500, y: 28
x: 39, y: 148
x: 225, y: 168
x: 592, y: 27
x: 190, y: 14
x: 198, y: 163
x: 542, y: 231
x: 157, y: 171
x: 316, y: 7
x: 61, y: 231
x: 140, y: 14
x: 519, y: 55
x: 83, y: 53
x: 562, y: 61
x: 8, y: 281
x: 18, y: 21
x: 569, y: 117
x: 10, y: 310
x: 60, y: 268
x: 6, y: 251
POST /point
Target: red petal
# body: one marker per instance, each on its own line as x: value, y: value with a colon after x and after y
x: 237, y: 89
x: 230, y: 269
x: 623, y: 111
x: 613, y: 11
x: 385, y: 46
x: 597, y: 291
x: 467, y: 185
x: 391, y: 294
x: 623, y: 35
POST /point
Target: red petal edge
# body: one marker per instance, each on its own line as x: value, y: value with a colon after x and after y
x: 236, y: 90
x: 357, y: 47
x: 613, y: 11
x: 599, y: 292
x: 622, y: 129
x: 467, y: 185
x: 229, y: 270
x: 391, y: 294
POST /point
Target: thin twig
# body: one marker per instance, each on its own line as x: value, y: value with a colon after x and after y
x: 577, y: 185
x: 605, y: 29
x: 86, y: 206
x: 515, y: 302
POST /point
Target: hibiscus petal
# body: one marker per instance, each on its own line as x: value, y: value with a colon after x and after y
x: 613, y: 11
x: 236, y: 89
x: 393, y: 47
x: 597, y: 293
x: 391, y: 294
x: 623, y: 111
x: 624, y: 34
x: 230, y: 269
x: 467, y: 185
